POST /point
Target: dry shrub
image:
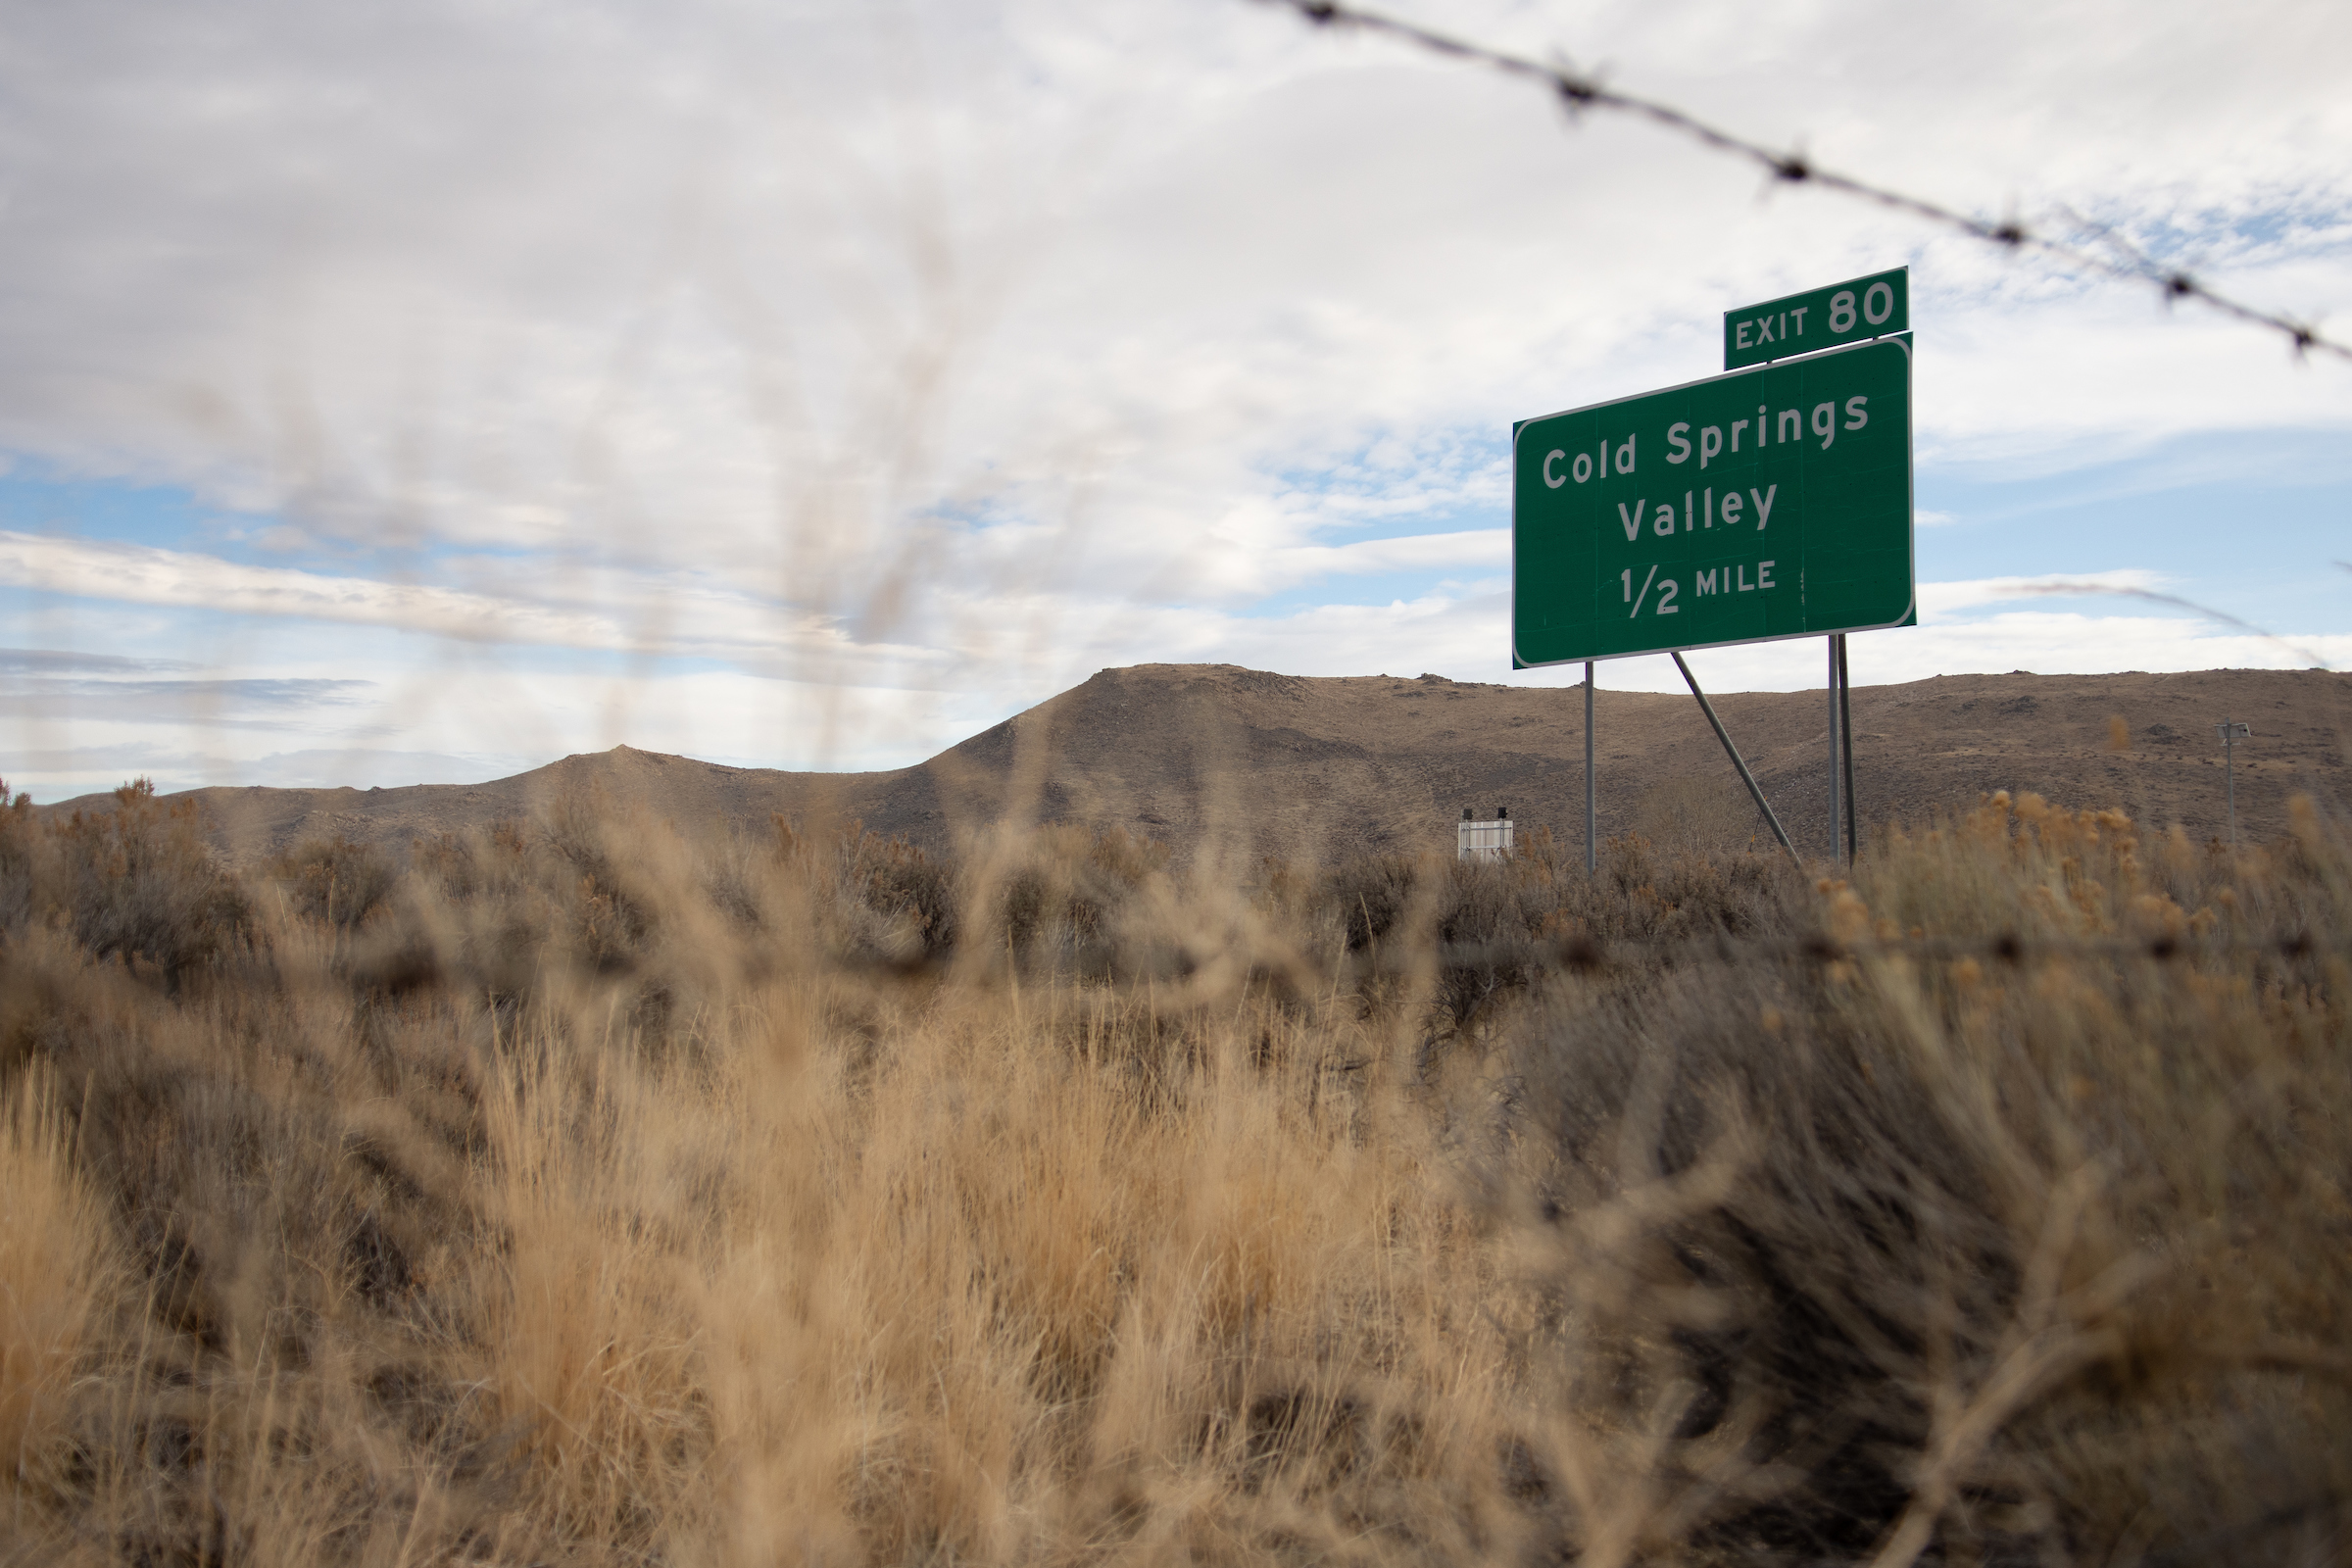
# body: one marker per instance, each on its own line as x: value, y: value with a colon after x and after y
x: 2028, y: 1254
x: 18, y: 837
x: 1695, y: 814
x: 334, y: 880
x: 136, y: 882
x: 589, y: 1342
x: 601, y: 1198
x: 58, y: 1280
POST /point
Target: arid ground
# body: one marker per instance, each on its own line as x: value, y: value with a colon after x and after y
x: 1214, y: 757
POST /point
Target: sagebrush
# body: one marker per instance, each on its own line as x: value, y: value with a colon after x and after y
x: 572, y: 1194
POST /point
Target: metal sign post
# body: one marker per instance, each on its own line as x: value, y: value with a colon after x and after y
x: 1754, y: 791
x: 1591, y: 849
x: 2232, y: 732
x: 1845, y: 736
x: 1836, y: 817
x: 1842, y: 753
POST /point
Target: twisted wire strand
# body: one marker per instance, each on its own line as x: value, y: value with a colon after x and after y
x: 1578, y: 92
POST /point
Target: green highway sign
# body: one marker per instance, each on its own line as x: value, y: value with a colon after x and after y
x: 1860, y: 308
x: 1771, y: 502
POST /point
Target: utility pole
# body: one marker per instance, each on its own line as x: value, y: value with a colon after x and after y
x: 2232, y: 732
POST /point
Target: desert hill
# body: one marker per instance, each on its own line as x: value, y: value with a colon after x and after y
x: 1217, y: 759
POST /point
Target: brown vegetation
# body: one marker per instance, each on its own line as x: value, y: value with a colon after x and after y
x: 577, y: 1193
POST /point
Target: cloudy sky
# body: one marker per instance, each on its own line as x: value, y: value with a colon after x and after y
x: 425, y: 391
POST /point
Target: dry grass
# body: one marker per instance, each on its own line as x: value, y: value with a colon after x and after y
x: 580, y: 1196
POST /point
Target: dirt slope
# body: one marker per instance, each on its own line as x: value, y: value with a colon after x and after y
x: 1229, y: 761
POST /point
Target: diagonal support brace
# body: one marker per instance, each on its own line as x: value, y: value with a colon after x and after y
x: 1738, y: 762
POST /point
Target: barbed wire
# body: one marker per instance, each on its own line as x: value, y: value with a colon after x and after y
x: 1578, y: 92
x: 2006, y: 948
x: 1511, y: 962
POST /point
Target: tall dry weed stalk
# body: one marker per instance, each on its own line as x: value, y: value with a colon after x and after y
x: 59, y: 1279
x: 573, y: 1193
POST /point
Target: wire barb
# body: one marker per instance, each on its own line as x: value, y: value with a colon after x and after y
x: 1580, y: 93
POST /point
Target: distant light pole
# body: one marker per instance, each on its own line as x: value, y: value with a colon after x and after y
x: 2232, y: 732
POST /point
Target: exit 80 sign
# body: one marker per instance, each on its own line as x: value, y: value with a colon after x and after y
x: 1876, y: 306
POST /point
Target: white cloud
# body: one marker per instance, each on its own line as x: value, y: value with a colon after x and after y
x: 664, y: 614
x: 450, y: 722
x: 646, y: 275
x: 969, y: 348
